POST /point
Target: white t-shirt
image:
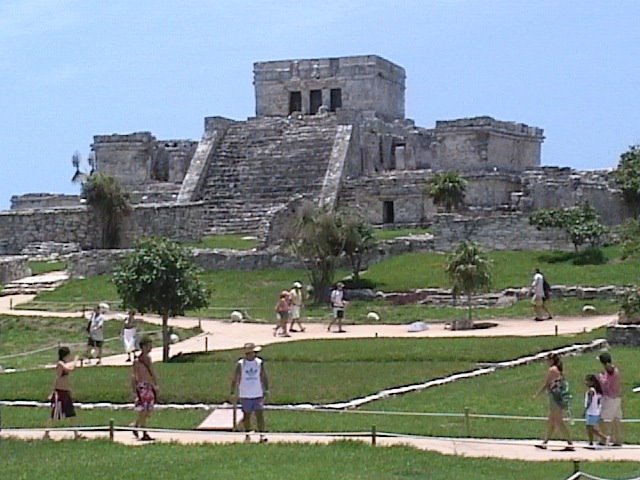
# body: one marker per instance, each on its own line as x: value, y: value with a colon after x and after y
x: 538, y: 285
x: 596, y: 402
x: 295, y: 295
x: 250, y: 378
x: 337, y: 298
x: 95, y: 330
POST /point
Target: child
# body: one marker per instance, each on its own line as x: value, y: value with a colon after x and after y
x: 282, y: 313
x: 145, y: 387
x: 61, y: 401
x: 592, y: 406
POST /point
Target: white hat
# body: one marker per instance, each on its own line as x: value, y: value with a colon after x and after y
x: 104, y: 306
x: 297, y: 285
x: 251, y: 347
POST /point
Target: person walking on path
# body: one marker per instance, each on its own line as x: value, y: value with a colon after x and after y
x: 61, y: 399
x: 295, y: 308
x: 611, y: 413
x: 592, y: 408
x: 145, y: 388
x: 556, y: 387
x: 129, y: 331
x: 538, y: 296
x: 250, y: 385
x: 338, y: 304
x: 95, y: 330
x: 282, y: 314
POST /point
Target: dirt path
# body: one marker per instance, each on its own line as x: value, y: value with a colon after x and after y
x: 467, y: 447
x: 221, y: 335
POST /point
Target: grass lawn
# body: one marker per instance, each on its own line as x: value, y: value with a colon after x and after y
x: 22, y: 334
x: 38, y: 267
x: 102, y: 460
x: 234, y: 241
x: 391, y: 233
x: 327, y: 370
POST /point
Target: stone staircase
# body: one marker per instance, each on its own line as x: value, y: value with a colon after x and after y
x: 261, y: 164
x: 35, y: 284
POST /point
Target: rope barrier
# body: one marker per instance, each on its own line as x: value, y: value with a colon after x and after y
x: 579, y: 475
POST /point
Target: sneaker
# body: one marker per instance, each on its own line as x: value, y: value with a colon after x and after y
x: 293, y: 330
x: 146, y: 438
x: 541, y: 446
x: 263, y: 439
x: 247, y: 438
x: 539, y: 319
x: 135, y: 432
x: 568, y: 448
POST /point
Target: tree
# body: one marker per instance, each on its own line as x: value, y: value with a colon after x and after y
x: 447, y: 189
x: 316, y: 239
x: 358, y: 240
x: 159, y: 276
x: 469, y: 271
x: 629, y: 233
x: 627, y: 176
x: 581, y: 224
x: 110, y: 205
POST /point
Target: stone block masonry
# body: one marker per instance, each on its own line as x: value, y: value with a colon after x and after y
x: 76, y: 225
x: 13, y: 267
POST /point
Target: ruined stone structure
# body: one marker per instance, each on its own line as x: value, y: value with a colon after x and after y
x: 332, y: 131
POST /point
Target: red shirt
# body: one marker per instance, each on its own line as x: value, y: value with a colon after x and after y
x: 610, y: 383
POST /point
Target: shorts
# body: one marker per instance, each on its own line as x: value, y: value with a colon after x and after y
x: 591, y: 420
x: 282, y: 316
x: 62, y: 405
x: 295, y: 312
x: 252, y: 404
x: 611, y: 409
x: 338, y: 312
x: 145, y: 397
x: 94, y: 343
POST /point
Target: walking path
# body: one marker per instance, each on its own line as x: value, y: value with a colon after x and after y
x: 467, y: 447
x: 221, y: 335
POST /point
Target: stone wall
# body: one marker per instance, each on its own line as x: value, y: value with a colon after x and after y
x: 76, y: 225
x: 627, y: 335
x: 13, y: 267
x: 366, y: 83
x: 496, y: 232
x: 43, y: 200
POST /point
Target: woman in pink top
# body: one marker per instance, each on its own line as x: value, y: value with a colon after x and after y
x: 611, y: 413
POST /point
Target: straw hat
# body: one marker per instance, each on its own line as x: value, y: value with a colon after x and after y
x: 251, y: 347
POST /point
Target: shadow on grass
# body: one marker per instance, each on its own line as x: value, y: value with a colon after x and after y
x: 588, y: 256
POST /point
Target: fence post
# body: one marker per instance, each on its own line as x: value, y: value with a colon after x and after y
x: 111, y: 434
x: 556, y: 330
x: 206, y: 343
x: 373, y: 435
x: 576, y: 466
x: 467, y: 422
x: 11, y: 304
x: 235, y: 414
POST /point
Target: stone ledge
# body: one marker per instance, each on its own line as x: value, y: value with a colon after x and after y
x: 627, y: 335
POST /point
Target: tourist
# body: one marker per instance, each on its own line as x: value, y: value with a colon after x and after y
x: 95, y: 331
x: 592, y: 409
x: 538, y: 296
x: 61, y: 399
x: 611, y: 413
x: 145, y: 388
x: 250, y: 385
x: 128, y: 334
x: 282, y: 314
x: 556, y: 387
x: 338, y: 305
x: 295, y: 307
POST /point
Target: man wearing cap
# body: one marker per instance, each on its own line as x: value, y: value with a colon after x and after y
x: 337, y: 304
x: 251, y: 385
x: 295, y: 299
x: 611, y: 413
x: 95, y: 331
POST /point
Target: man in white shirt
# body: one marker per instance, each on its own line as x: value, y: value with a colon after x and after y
x: 250, y: 385
x: 95, y: 330
x: 295, y: 307
x: 537, y: 295
x: 337, y: 304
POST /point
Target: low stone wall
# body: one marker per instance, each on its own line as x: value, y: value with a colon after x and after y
x: 496, y: 232
x: 628, y: 335
x: 76, y: 225
x: 13, y: 267
x: 43, y: 200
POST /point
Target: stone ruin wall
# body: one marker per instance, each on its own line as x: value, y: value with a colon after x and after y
x: 43, y: 200
x: 13, y: 268
x: 21, y: 228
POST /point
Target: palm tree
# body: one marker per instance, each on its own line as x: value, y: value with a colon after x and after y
x: 447, y: 189
x: 469, y: 271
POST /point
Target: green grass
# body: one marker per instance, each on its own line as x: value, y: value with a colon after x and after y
x: 101, y: 460
x: 38, y: 267
x: 391, y: 233
x: 22, y: 334
x: 231, y: 240
x: 328, y: 370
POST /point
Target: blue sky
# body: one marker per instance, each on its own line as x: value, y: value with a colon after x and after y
x: 72, y: 69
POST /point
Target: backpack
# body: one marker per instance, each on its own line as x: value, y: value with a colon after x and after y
x: 546, y: 288
x: 559, y: 390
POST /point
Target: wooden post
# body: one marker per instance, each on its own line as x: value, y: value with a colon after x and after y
x: 467, y: 422
x: 111, y: 433
x: 11, y: 304
x: 206, y: 343
x: 373, y: 435
x: 235, y: 414
x: 556, y: 330
x: 576, y: 466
